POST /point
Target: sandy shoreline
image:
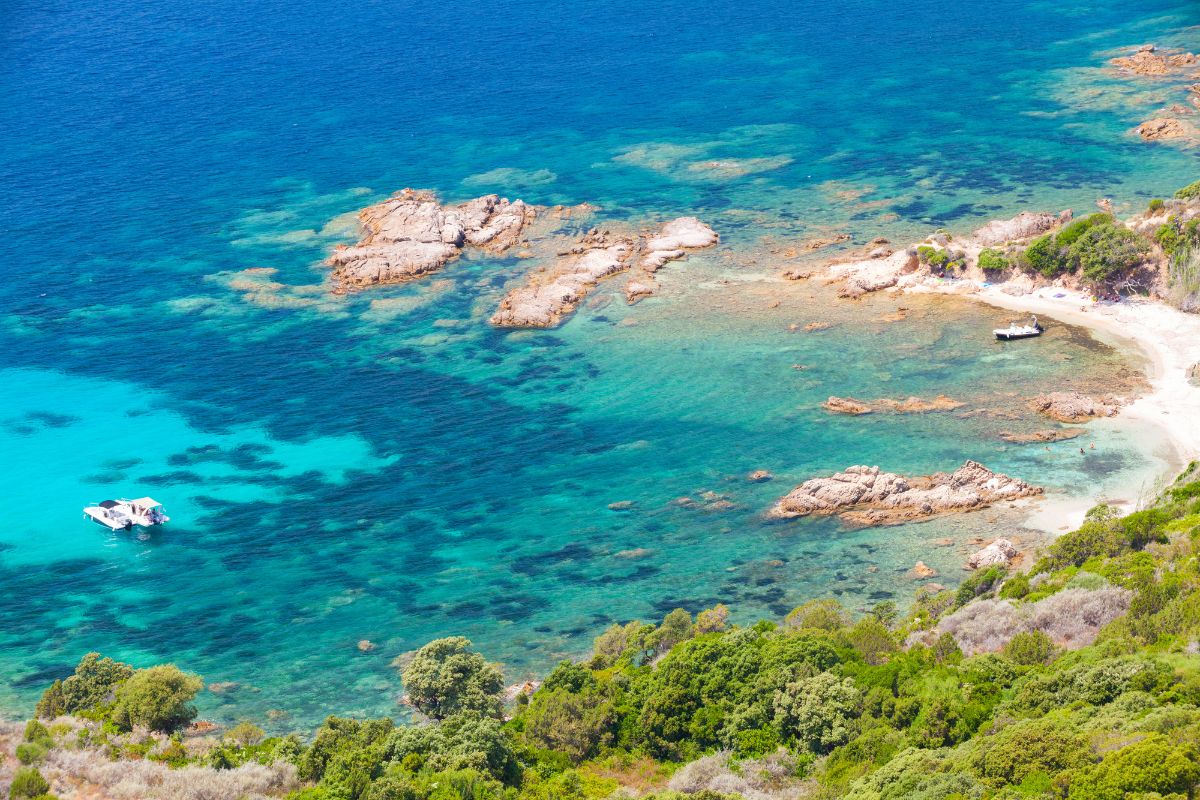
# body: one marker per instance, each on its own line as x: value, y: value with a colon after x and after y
x: 1169, y: 340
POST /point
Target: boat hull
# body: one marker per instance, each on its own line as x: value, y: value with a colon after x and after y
x: 1009, y: 337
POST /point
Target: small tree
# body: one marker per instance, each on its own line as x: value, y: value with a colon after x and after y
x: 245, y: 734
x: 713, y: 619
x: 446, y: 678
x: 676, y: 627
x: 159, y: 698
x: 94, y: 682
x: 28, y: 783
x: 1029, y: 648
x: 825, y: 615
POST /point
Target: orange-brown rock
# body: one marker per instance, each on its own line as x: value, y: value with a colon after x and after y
x: 846, y: 405
x: 1075, y: 407
x: 1148, y: 61
x: 1159, y: 128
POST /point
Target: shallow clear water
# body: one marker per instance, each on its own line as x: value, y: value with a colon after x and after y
x: 385, y: 466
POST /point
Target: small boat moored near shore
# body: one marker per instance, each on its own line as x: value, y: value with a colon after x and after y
x: 124, y: 514
x: 1015, y: 331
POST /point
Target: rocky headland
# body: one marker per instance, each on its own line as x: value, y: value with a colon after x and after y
x: 867, y: 496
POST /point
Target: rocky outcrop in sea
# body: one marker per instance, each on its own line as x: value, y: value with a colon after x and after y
x: 548, y: 295
x: 867, y: 496
x: 412, y: 234
x: 1075, y: 407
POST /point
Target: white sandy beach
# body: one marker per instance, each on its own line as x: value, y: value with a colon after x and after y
x: 1170, y: 341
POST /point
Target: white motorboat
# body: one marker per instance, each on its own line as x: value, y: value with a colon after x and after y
x: 1015, y: 331
x: 124, y: 514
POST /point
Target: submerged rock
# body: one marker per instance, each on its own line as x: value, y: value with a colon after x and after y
x: 1054, y: 435
x: 910, y: 405
x: 922, y: 571
x: 867, y: 496
x: 759, y: 476
x: 846, y: 405
x: 549, y: 295
x: 412, y: 234
x: 999, y: 552
x: 1075, y: 407
x: 1159, y: 128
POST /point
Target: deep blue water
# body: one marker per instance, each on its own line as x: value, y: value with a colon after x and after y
x: 339, y: 469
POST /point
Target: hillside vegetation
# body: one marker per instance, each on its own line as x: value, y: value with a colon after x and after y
x: 1076, y: 679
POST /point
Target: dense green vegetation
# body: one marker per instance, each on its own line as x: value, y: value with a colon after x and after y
x: 1097, y: 246
x: 1076, y: 679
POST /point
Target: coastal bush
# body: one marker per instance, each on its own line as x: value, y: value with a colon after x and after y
x: 93, y: 684
x: 1106, y: 251
x: 1029, y: 648
x: 1024, y: 748
x: 713, y: 619
x: 1043, y: 256
x: 31, y: 752
x: 1189, y: 192
x: 819, y: 712
x: 916, y: 773
x: 1155, y: 205
x: 575, y: 723
x: 622, y: 642
x: 1153, y: 765
x: 340, y: 739
x: 464, y: 742
x: 675, y: 628
x: 993, y: 261
x: 821, y: 615
x: 446, y: 677
x: 159, y: 698
x: 28, y: 783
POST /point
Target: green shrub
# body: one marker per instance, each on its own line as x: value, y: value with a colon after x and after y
x: 1026, y: 748
x: 1075, y: 230
x: 574, y: 723
x: 27, y: 782
x: 95, y: 680
x: 159, y: 698
x: 824, y: 615
x: 1029, y: 648
x: 1107, y: 250
x: 1154, y: 764
x: 993, y: 261
x: 1043, y: 255
x: 446, y: 677
x: 1155, y: 205
x: 820, y: 712
x: 1189, y: 192
x: 32, y: 752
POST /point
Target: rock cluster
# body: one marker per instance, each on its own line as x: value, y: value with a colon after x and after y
x: 412, y: 234
x: 1074, y: 407
x: 1148, y: 61
x: 1000, y: 552
x: 549, y: 295
x: 1159, y: 128
x: 872, y: 274
x: 866, y: 496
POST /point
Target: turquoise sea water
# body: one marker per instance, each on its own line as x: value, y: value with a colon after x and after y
x: 387, y: 467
